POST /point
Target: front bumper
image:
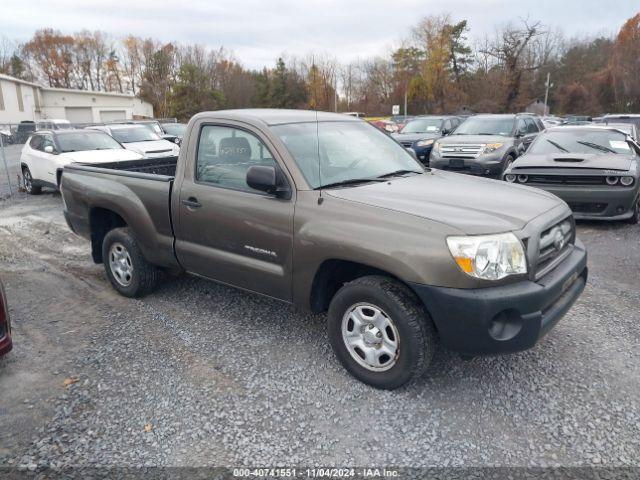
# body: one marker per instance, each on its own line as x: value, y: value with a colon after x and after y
x: 489, y: 165
x: 507, y: 318
x: 589, y: 203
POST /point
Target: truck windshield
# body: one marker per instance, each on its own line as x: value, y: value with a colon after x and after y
x: 580, y: 141
x: 423, y: 125
x: 82, y: 141
x: 340, y: 152
x: 486, y: 126
x: 134, y: 134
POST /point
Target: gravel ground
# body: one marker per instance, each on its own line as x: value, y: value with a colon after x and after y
x: 198, y: 374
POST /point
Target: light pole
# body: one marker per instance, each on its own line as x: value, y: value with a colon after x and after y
x: 546, y: 94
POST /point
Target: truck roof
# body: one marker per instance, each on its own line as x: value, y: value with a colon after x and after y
x: 274, y: 116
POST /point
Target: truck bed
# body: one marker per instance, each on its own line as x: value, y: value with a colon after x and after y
x: 165, y: 167
x: 137, y: 191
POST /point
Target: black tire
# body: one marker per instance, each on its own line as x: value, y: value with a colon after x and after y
x: 635, y: 218
x: 27, y: 180
x: 143, y: 276
x: 507, y: 162
x: 417, y: 336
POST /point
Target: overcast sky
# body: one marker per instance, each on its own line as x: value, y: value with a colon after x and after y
x: 258, y: 31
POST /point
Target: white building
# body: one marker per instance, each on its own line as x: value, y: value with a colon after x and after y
x: 20, y: 100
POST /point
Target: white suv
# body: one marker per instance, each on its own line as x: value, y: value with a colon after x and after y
x: 46, y: 153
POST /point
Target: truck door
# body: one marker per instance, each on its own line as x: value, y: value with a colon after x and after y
x: 224, y: 229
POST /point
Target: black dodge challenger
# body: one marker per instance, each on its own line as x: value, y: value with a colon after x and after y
x: 595, y: 169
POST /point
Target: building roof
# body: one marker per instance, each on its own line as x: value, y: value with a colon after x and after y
x: 64, y: 90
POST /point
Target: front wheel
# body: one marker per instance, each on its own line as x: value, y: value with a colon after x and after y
x: 380, y: 332
x: 507, y: 163
x: 27, y: 180
x: 128, y: 271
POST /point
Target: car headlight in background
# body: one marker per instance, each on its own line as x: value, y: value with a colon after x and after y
x: 626, y: 181
x: 611, y: 180
x: 489, y: 257
x: 491, y: 147
x: 424, y: 143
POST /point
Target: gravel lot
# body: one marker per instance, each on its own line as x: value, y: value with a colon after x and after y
x: 200, y: 374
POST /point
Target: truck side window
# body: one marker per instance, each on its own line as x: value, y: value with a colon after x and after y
x: 226, y: 153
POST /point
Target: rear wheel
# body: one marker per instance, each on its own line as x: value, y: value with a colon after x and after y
x: 380, y: 332
x: 128, y: 271
x: 27, y: 180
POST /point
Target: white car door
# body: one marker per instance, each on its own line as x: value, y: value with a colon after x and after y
x: 48, y: 159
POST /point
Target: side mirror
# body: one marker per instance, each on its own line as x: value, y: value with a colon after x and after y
x: 48, y: 149
x: 267, y: 179
x: 412, y: 152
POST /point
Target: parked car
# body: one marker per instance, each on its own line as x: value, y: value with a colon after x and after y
x: 327, y: 213
x: 551, y: 121
x: 596, y: 170
x: 53, y: 124
x: 24, y: 130
x: 630, y: 118
x: 157, y: 127
x: 46, y: 153
x: 629, y: 128
x: 5, y: 324
x: 486, y: 144
x: 140, y: 139
x: 577, y: 120
x: 420, y: 133
x: 176, y: 130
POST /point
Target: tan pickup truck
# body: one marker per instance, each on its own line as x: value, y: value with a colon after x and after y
x: 326, y: 212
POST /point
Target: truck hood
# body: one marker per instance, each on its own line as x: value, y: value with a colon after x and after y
x: 153, y: 148
x: 414, y: 137
x: 605, y: 161
x: 470, y: 204
x: 475, y: 139
x: 99, y: 156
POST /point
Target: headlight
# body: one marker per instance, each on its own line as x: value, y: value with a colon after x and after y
x: 424, y: 143
x: 510, y: 177
x: 492, y: 147
x: 490, y: 257
x: 611, y: 180
x: 626, y: 181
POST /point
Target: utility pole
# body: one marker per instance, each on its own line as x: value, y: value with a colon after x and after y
x: 406, y: 87
x: 546, y: 94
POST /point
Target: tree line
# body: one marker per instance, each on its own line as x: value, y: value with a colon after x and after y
x: 436, y: 69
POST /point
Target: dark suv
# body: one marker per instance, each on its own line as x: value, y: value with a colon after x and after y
x: 486, y: 144
x: 420, y: 132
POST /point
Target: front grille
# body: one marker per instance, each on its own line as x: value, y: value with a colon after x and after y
x: 461, y: 150
x: 555, y: 243
x: 587, y: 207
x: 567, y: 179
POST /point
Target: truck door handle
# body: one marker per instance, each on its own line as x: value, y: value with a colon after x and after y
x: 191, y: 202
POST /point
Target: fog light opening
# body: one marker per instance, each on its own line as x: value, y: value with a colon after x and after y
x: 506, y: 325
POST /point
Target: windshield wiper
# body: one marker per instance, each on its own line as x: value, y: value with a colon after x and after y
x: 398, y: 172
x: 596, y: 146
x: 557, y: 145
x: 351, y: 181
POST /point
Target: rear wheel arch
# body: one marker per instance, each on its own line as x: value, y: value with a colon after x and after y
x: 101, y: 222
